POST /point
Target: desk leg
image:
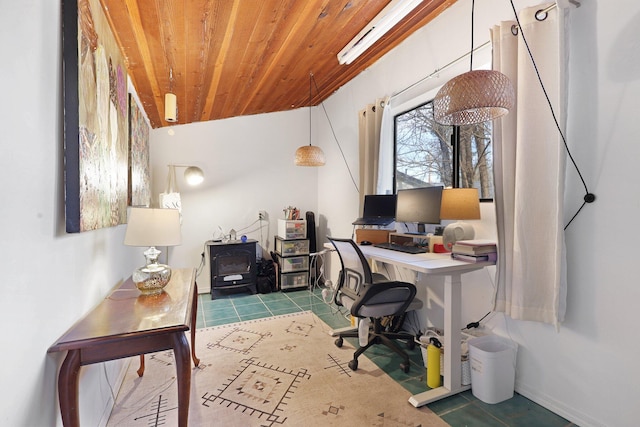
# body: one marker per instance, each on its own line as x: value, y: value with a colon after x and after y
x: 452, y: 326
x: 68, y: 389
x: 452, y: 360
x: 183, y: 371
x: 194, y: 312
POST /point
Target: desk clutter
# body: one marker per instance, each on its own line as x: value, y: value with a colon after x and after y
x: 475, y: 251
x: 403, y: 242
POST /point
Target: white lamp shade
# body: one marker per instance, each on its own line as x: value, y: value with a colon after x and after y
x: 153, y: 227
x: 170, y: 107
x: 193, y: 175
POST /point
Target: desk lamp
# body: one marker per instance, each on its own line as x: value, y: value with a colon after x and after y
x: 459, y: 204
x: 152, y: 227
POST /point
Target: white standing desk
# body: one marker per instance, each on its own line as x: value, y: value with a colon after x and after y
x: 437, y: 264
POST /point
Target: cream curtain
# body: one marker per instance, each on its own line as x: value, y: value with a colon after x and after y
x: 529, y: 168
x: 370, y: 120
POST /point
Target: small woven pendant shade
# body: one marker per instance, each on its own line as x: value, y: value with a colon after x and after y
x: 474, y: 97
x: 309, y: 155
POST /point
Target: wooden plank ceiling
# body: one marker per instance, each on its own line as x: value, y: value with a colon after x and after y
x: 227, y: 58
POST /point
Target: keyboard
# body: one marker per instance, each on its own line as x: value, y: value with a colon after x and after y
x: 402, y: 248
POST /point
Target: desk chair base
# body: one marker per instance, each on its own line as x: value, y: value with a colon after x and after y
x: 378, y: 336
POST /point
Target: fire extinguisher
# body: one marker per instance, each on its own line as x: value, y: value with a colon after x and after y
x: 433, y: 363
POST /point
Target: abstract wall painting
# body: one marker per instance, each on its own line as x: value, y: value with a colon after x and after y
x: 96, y: 120
x: 139, y: 175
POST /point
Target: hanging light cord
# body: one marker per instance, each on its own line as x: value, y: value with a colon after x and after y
x: 588, y: 197
x: 334, y: 135
x: 473, y: 8
x: 310, y: 87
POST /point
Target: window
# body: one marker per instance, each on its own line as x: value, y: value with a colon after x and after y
x: 428, y: 153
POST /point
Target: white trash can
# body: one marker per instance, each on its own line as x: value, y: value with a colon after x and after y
x: 493, y: 368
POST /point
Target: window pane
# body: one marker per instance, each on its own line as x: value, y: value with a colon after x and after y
x: 476, y: 159
x: 423, y: 150
x: 424, y: 154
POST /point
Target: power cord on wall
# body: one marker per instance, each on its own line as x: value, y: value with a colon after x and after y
x: 477, y: 323
x: 335, y: 137
x: 588, y: 197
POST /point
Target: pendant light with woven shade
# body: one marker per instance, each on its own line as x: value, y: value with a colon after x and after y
x: 473, y: 97
x: 309, y: 155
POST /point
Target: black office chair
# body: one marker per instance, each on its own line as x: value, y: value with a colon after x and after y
x: 372, y: 295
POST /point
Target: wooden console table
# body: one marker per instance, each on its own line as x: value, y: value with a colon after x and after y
x: 127, y: 324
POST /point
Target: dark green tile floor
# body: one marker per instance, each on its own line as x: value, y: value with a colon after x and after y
x: 459, y: 411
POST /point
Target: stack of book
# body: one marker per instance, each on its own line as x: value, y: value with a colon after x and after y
x: 475, y: 251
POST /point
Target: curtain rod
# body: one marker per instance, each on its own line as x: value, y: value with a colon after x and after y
x: 438, y: 70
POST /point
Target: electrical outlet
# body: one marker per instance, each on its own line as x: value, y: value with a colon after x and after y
x: 262, y: 215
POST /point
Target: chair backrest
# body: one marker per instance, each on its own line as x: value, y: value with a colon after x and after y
x: 356, y: 282
x: 355, y: 268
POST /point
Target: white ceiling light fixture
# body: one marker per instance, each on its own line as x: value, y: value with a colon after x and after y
x: 393, y: 13
x: 170, y: 102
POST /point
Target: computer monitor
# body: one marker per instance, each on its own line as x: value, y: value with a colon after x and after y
x: 419, y: 205
x: 379, y: 206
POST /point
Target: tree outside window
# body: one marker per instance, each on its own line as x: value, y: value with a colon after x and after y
x: 424, y: 153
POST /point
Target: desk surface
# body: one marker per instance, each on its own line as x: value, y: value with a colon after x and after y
x: 131, y: 314
x: 429, y: 263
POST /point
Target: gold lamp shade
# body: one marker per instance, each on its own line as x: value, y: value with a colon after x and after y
x: 460, y: 203
x: 309, y: 155
x: 474, y: 97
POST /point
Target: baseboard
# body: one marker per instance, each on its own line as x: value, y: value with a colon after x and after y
x: 556, y: 407
x: 115, y: 387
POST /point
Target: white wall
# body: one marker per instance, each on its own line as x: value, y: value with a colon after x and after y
x: 49, y: 278
x: 249, y: 166
x: 586, y: 370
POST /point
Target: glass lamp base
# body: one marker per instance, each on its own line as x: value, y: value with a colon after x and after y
x: 151, y: 279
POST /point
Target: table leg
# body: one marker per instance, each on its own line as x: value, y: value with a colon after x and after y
x: 68, y: 389
x: 183, y: 371
x: 194, y: 311
x: 140, y: 370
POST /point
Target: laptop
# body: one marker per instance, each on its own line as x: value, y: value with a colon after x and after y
x: 378, y: 209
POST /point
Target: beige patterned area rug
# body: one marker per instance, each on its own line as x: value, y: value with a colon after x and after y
x: 279, y: 371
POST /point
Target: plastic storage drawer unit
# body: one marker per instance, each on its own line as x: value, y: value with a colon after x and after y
x: 295, y: 263
x: 292, y: 247
x: 294, y: 280
x: 292, y: 229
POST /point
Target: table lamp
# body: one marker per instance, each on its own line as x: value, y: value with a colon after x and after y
x: 459, y: 204
x: 152, y: 227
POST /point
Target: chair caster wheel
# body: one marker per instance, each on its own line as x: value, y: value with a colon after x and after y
x: 338, y: 342
x: 353, y: 364
x: 404, y: 366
